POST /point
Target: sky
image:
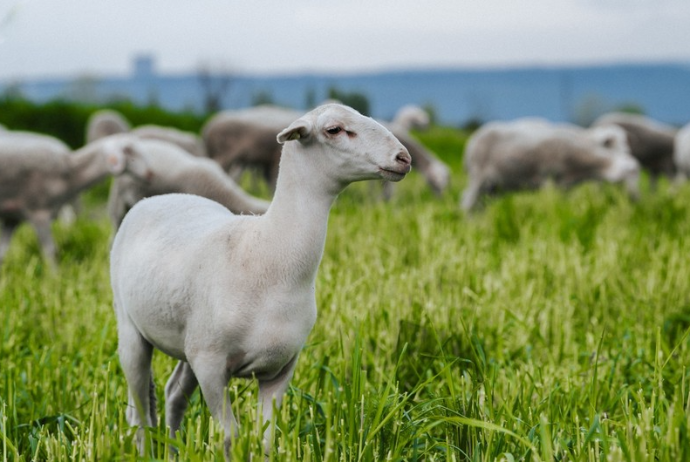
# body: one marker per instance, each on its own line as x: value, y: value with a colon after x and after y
x: 63, y: 38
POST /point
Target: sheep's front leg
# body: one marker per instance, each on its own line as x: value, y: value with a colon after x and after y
x: 471, y: 195
x: 5, y: 238
x: 271, y: 391
x: 179, y: 388
x: 213, y: 376
x: 41, y: 222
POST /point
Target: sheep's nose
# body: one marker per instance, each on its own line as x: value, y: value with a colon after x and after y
x: 403, y: 158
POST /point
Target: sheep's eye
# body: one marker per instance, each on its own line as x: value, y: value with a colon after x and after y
x: 334, y: 130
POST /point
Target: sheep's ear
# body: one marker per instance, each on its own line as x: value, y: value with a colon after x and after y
x: 298, y: 130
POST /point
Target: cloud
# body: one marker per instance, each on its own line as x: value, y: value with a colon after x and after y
x: 275, y: 36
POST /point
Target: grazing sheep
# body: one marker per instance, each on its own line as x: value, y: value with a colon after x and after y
x: 681, y: 153
x: 412, y: 117
x: 38, y: 176
x: 174, y: 170
x: 524, y: 154
x: 69, y: 211
x: 45, y: 141
x: 108, y: 122
x: 236, y: 142
x: 233, y: 296
x: 651, y: 142
x: 246, y: 138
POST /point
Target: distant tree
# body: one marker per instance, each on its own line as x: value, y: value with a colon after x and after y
x: 262, y: 97
x: 215, y: 84
x: 13, y: 91
x: 630, y: 108
x: 355, y: 100
x: 472, y: 124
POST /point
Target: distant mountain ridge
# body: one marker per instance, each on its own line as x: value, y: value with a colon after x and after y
x: 576, y: 94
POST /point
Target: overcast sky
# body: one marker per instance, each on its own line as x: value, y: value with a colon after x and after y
x: 41, y: 38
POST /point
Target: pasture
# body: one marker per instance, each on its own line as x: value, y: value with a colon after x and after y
x: 549, y: 326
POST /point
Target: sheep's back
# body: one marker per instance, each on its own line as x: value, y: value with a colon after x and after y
x: 30, y: 168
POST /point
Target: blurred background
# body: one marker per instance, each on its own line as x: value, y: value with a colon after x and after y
x: 465, y: 62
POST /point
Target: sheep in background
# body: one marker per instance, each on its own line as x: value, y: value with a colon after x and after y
x: 108, y: 122
x: 174, y: 170
x: 651, y: 142
x: 39, y: 176
x: 236, y: 142
x: 412, y: 117
x: 246, y: 138
x: 186, y: 140
x: 234, y: 296
x: 524, y: 154
x: 69, y: 211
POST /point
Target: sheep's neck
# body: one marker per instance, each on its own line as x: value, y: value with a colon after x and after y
x: 297, y: 219
x: 87, y: 166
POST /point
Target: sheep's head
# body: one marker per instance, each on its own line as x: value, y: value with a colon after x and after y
x: 612, y: 144
x: 438, y: 177
x: 123, y: 153
x: 353, y: 147
x: 412, y: 117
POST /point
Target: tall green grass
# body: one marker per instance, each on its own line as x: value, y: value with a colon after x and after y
x: 551, y: 326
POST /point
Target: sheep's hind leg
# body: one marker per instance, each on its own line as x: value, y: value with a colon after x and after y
x: 6, y: 233
x: 135, y: 358
x: 270, y: 390
x: 41, y: 222
x: 213, y: 376
x: 179, y: 388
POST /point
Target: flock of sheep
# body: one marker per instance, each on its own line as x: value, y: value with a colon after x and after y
x: 224, y: 281
x: 525, y: 153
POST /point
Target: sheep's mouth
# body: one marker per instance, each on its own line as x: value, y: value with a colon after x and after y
x: 393, y: 175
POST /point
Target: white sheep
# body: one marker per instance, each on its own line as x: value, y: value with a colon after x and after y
x: 68, y: 212
x: 39, y: 175
x: 524, y: 154
x: 246, y: 138
x: 234, y: 296
x: 106, y: 122
x: 174, y: 170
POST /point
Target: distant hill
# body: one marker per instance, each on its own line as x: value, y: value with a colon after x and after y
x: 577, y: 94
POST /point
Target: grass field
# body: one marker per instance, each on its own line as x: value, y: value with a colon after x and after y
x: 551, y: 326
